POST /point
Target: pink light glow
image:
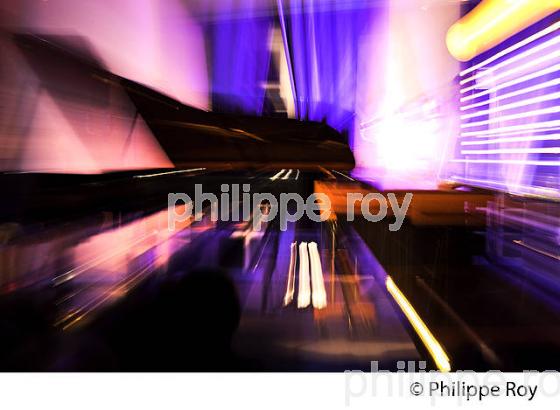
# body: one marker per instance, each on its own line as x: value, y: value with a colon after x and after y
x: 84, y: 126
x: 402, y: 138
x: 88, y: 140
x: 152, y: 42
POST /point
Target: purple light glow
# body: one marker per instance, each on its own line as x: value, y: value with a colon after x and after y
x: 407, y: 108
x: 240, y: 57
x: 512, y: 113
x: 323, y: 42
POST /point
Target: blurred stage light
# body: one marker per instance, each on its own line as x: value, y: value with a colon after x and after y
x: 276, y: 176
x: 521, y: 68
x: 403, y: 117
x: 517, y: 104
x: 522, y: 127
x: 549, y: 137
x: 502, y: 118
x: 516, y: 46
x: 319, y: 297
x: 525, y: 78
x: 304, y: 290
x: 290, y: 285
x: 493, y: 21
x: 434, y: 347
x: 540, y: 86
x: 509, y: 61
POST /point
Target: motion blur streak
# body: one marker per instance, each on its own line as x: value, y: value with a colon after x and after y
x: 516, y: 81
x: 304, y: 291
x: 183, y: 171
x: 110, y: 252
x: 549, y: 110
x: 240, y: 56
x: 517, y: 92
x: 404, y: 120
x: 290, y: 282
x: 433, y: 346
x: 319, y: 295
x: 150, y: 42
x: 323, y: 42
x: 504, y: 63
x: 277, y: 175
x: 551, y: 137
x: 493, y: 21
x: 541, y: 86
x: 109, y: 110
x: 508, y: 130
x: 78, y: 128
x: 504, y: 107
x: 521, y: 68
x: 508, y: 138
x: 287, y: 175
x: 508, y: 50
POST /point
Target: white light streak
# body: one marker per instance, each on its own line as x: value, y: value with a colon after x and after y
x: 434, y: 347
x: 510, y: 186
x: 527, y: 90
x: 182, y: 171
x: 509, y: 161
x: 550, y: 137
x: 513, y: 117
x: 514, y: 47
x: 510, y: 83
x: 507, y: 62
x: 551, y: 150
x: 287, y: 174
x: 276, y: 176
x: 518, y: 104
x: 319, y: 296
x: 525, y: 127
x: 290, y: 286
x: 521, y: 68
x: 304, y: 290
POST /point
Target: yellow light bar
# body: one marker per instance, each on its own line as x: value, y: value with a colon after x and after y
x: 433, y: 346
x: 493, y: 21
